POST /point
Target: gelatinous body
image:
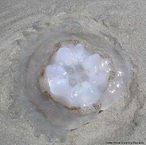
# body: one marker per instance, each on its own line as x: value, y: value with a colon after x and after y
x: 73, y: 74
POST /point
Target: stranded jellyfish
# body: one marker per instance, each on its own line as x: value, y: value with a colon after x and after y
x: 71, y: 75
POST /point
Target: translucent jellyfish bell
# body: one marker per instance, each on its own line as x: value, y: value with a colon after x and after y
x: 72, y: 75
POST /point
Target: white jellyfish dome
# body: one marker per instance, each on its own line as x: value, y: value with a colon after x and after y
x: 76, y: 79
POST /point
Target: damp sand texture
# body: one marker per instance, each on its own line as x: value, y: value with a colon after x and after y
x: 122, y: 21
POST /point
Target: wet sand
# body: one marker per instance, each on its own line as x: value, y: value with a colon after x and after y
x: 125, y: 120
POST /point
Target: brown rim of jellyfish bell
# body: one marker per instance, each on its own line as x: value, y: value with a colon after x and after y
x: 77, y: 110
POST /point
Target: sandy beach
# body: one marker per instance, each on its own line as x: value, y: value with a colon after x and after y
x: 119, y: 20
